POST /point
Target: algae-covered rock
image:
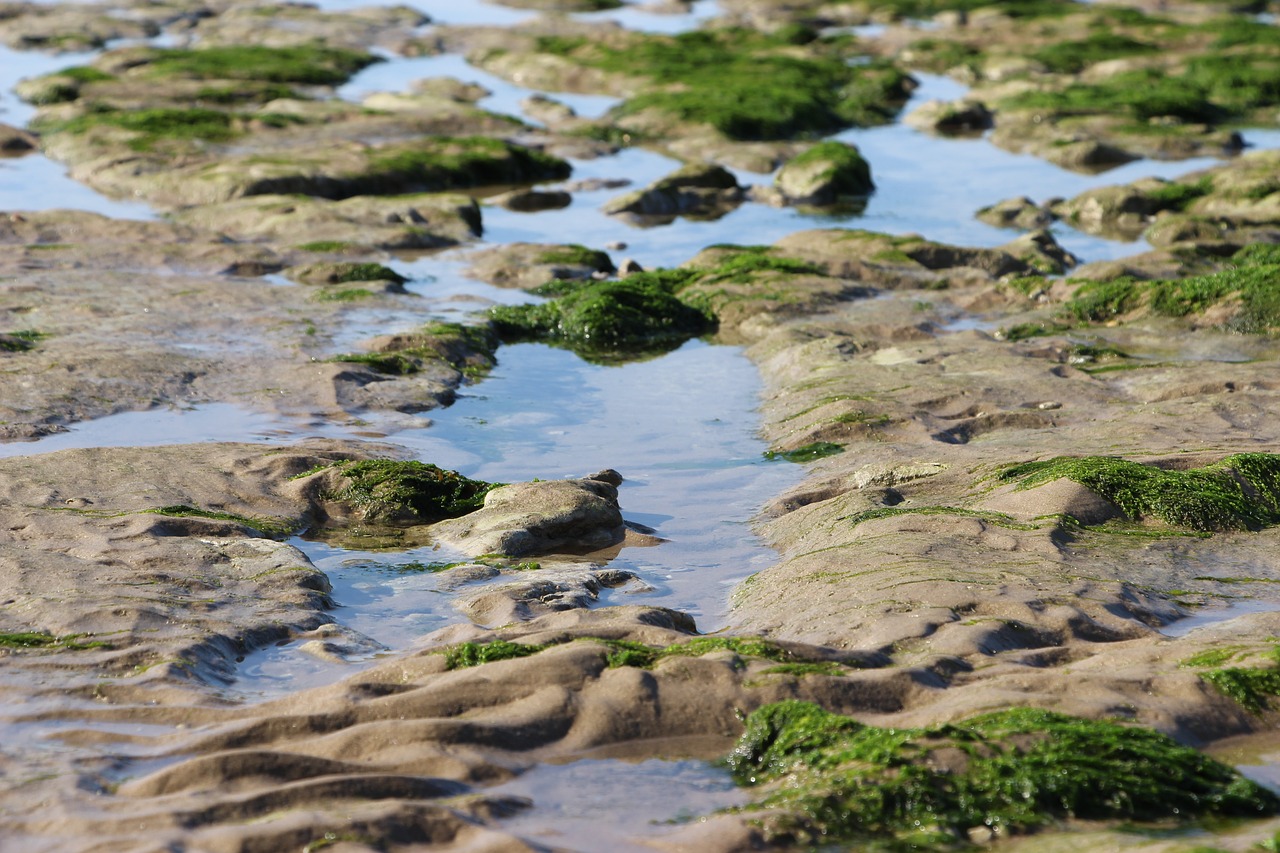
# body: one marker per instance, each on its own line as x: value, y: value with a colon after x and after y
x: 1020, y: 212
x: 342, y: 272
x: 602, y: 319
x: 838, y: 781
x: 390, y: 490
x: 823, y: 175
x: 15, y: 142
x: 1240, y: 297
x: 1240, y: 492
x: 530, y: 265
x: 539, y: 518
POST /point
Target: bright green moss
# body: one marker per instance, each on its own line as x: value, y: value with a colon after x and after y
x: 846, y: 783
x: 392, y: 490
x: 940, y: 56
x: 325, y: 246
x: 1213, y: 657
x: 21, y: 340
x: 272, y: 527
x: 1251, y: 688
x: 43, y: 640
x: 807, y: 453
x: 629, y: 653
x: 153, y: 125
x: 1072, y: 57
x: 997, y: 518
x: 1210, y: 89
x: 1240, y: 492
x: 637, y: 314
x: 1251, y: 285
x: 746, y: 84
x: 307, y: 64
x: 1176, y: 196
x: 440, y: 163
x: 578, y: 256
x: 343, y: 294
x: 466, y: 655
x: 467, y: 348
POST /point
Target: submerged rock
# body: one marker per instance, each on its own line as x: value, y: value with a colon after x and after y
x: 824, y: 175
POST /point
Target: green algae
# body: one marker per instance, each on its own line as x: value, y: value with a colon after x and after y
x: 807, y: 453
x: 578, y: 256
x: 1178, y: 196
x: 21, y: 340
x: 1015, y: 770
x: 44, y: 640
x: 1251, y: 688
x: 393, y: 490
x: 153, y: 125
x: 306, y: 64
x: 629, y: 653
x: 470, y: 349
x: 343, y: 272
x: 325, y: 246
x: 1072, y: 57
x: 1241, y: 492
x: 746, y: 84
x: 274, y: 528
x: 999, y: 519
x: 444, y: 162
x: 848, y: 170
x: 344, y: 294
x: 466, y: 655
x: 599, y: 319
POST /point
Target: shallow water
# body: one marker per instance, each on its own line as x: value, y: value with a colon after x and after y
x: 679, y: 428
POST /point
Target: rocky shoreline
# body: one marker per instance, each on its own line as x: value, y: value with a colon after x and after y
x: 1024, y: 468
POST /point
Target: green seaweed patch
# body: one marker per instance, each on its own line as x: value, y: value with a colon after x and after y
x: 274, y: 528
x: 469, y: 349
x: 244, y: 92
x: 1241, y: 492
x: 1178, y: 196
x: 1251, y: 688
x: 44, y: 640
x: 999, y: 519
x: 466, y: 655
x: 806, y: 453
x: 1014, y: 770
x: 307, y: 64
x: 326, y: 246
x: 394, y: 490
x: 1210, y: 89
x: 441, y: 163
x: 151, y: 126
x: 746, y: 84
x: 1213, y: 657
x: 1249, y: 288
x: 800, y: 670
x: 629, y: 653
x: 602, y: 319
x: 576, y: 256
x: 1072, y: 57
x: 343, y: 294
x: 21, y: 340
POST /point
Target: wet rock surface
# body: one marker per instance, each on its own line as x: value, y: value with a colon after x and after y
x: 1026, y: 466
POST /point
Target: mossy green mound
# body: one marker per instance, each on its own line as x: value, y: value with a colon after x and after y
x: 442, y: 163
x: 1248, y: 288
x: 469, y: 349
x: 1208, y: 89
x: 604, y: 320
x: 1071, y: 57
x: 1012, y: 770
x: 305, y: 64
x: 466, y: 655
x: 1242, y: 492
x: 746, y: 84
x: 391, y: 490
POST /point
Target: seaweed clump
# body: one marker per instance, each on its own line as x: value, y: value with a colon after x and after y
x: 745, y: 84
x: 1241, y: 492
x: 1012, y: 771
x: 470, y: 654
x: 393, y: 490
x: 605, y: 320
x: 1248, y: 285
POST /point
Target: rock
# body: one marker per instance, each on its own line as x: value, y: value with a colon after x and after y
x: 952, y: 118
x: 342, y: 272
x: 826, y: 173
x: 629, y: 266
x: 1086, y: 155
x: 547, y: 110
x: 532, y: 201
x: 1040, y: 251
x: 696, y: 190
x: 555, y: 516
x: 1117, y: 211
x: 1019, y: 212
x: 15, y: 142
x: 528, y: 265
